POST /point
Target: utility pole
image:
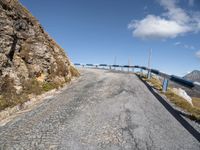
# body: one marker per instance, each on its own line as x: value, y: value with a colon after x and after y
x: 129, y: 63
x: 115, y: 60
x: 149, y: 64
x: 132, y: 66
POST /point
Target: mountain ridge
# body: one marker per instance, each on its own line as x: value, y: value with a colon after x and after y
x: 193, y: 76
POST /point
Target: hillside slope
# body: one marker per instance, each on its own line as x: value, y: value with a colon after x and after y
x: 194, y: 76
x: 30, y: 60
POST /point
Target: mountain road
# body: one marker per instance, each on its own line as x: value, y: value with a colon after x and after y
x: 101, y: 110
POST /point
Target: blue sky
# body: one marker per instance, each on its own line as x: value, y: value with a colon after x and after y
x: 96, y: 31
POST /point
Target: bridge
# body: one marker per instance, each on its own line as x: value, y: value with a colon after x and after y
x: 103, y: 109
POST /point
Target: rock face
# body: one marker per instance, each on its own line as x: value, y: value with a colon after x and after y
x: 30, y: 60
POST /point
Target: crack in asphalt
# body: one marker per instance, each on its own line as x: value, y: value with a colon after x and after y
x: 129, y: 127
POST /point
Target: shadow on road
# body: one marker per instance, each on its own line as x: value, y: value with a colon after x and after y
x: 175, y: 113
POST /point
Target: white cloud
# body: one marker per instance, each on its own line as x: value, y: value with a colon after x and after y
x: 195, y: 17
x: 172, y: 23
x: 173, y: 12
x: 186, y: 46
x: 198, y: 54
x: 177, y: 43
x: 157, y: 27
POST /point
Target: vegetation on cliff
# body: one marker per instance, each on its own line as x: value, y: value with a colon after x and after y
x: 30, y: 60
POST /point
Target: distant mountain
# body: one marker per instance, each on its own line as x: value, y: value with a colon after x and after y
x: 194, y: 76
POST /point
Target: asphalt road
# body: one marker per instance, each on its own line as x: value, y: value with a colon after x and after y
x: 102, y: 110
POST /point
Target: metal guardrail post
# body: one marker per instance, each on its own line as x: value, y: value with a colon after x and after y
x: 133, y: 69
x: 141, y: 71
x: 165, y: 85
x: 149, y: 74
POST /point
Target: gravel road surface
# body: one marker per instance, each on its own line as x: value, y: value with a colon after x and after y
x: 102, y: 110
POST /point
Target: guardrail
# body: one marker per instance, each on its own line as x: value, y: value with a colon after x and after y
x: 173, y: 78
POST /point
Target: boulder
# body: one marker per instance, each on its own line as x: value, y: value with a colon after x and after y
x: 180, y: 92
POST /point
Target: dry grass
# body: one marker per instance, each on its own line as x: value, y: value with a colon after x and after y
x: 24, y: 52
x: 49, y: 86
x: 74, y: 71
x: 32, y: 86
x: 6, y: 85
x: 196, y: 102
x: 58, y: 69
x: 10, y: 98
x: 67, y: 80
x: 7, y: 92
x: 3, y: 103
x: 153, y: 81
x: 194, y: 111
x: 156, y: 83
x: 61, y: 68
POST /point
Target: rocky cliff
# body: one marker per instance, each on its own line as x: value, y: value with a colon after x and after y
x: 30, y: 60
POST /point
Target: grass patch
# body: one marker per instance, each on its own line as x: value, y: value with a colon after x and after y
x: 180, y: 102
x: 196, y: 102
x: 32, y: 86
x: 24, y: 52
x: 156, y: 83
x: 74, y: 71
x: 3, y: 103
x: 49, y: 86
x: 10, y: 98
x: 67, y: 80
x: 8, y: 93
x: 194, y: 111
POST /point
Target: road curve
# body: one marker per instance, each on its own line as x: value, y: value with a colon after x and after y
x: 103, y: 110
